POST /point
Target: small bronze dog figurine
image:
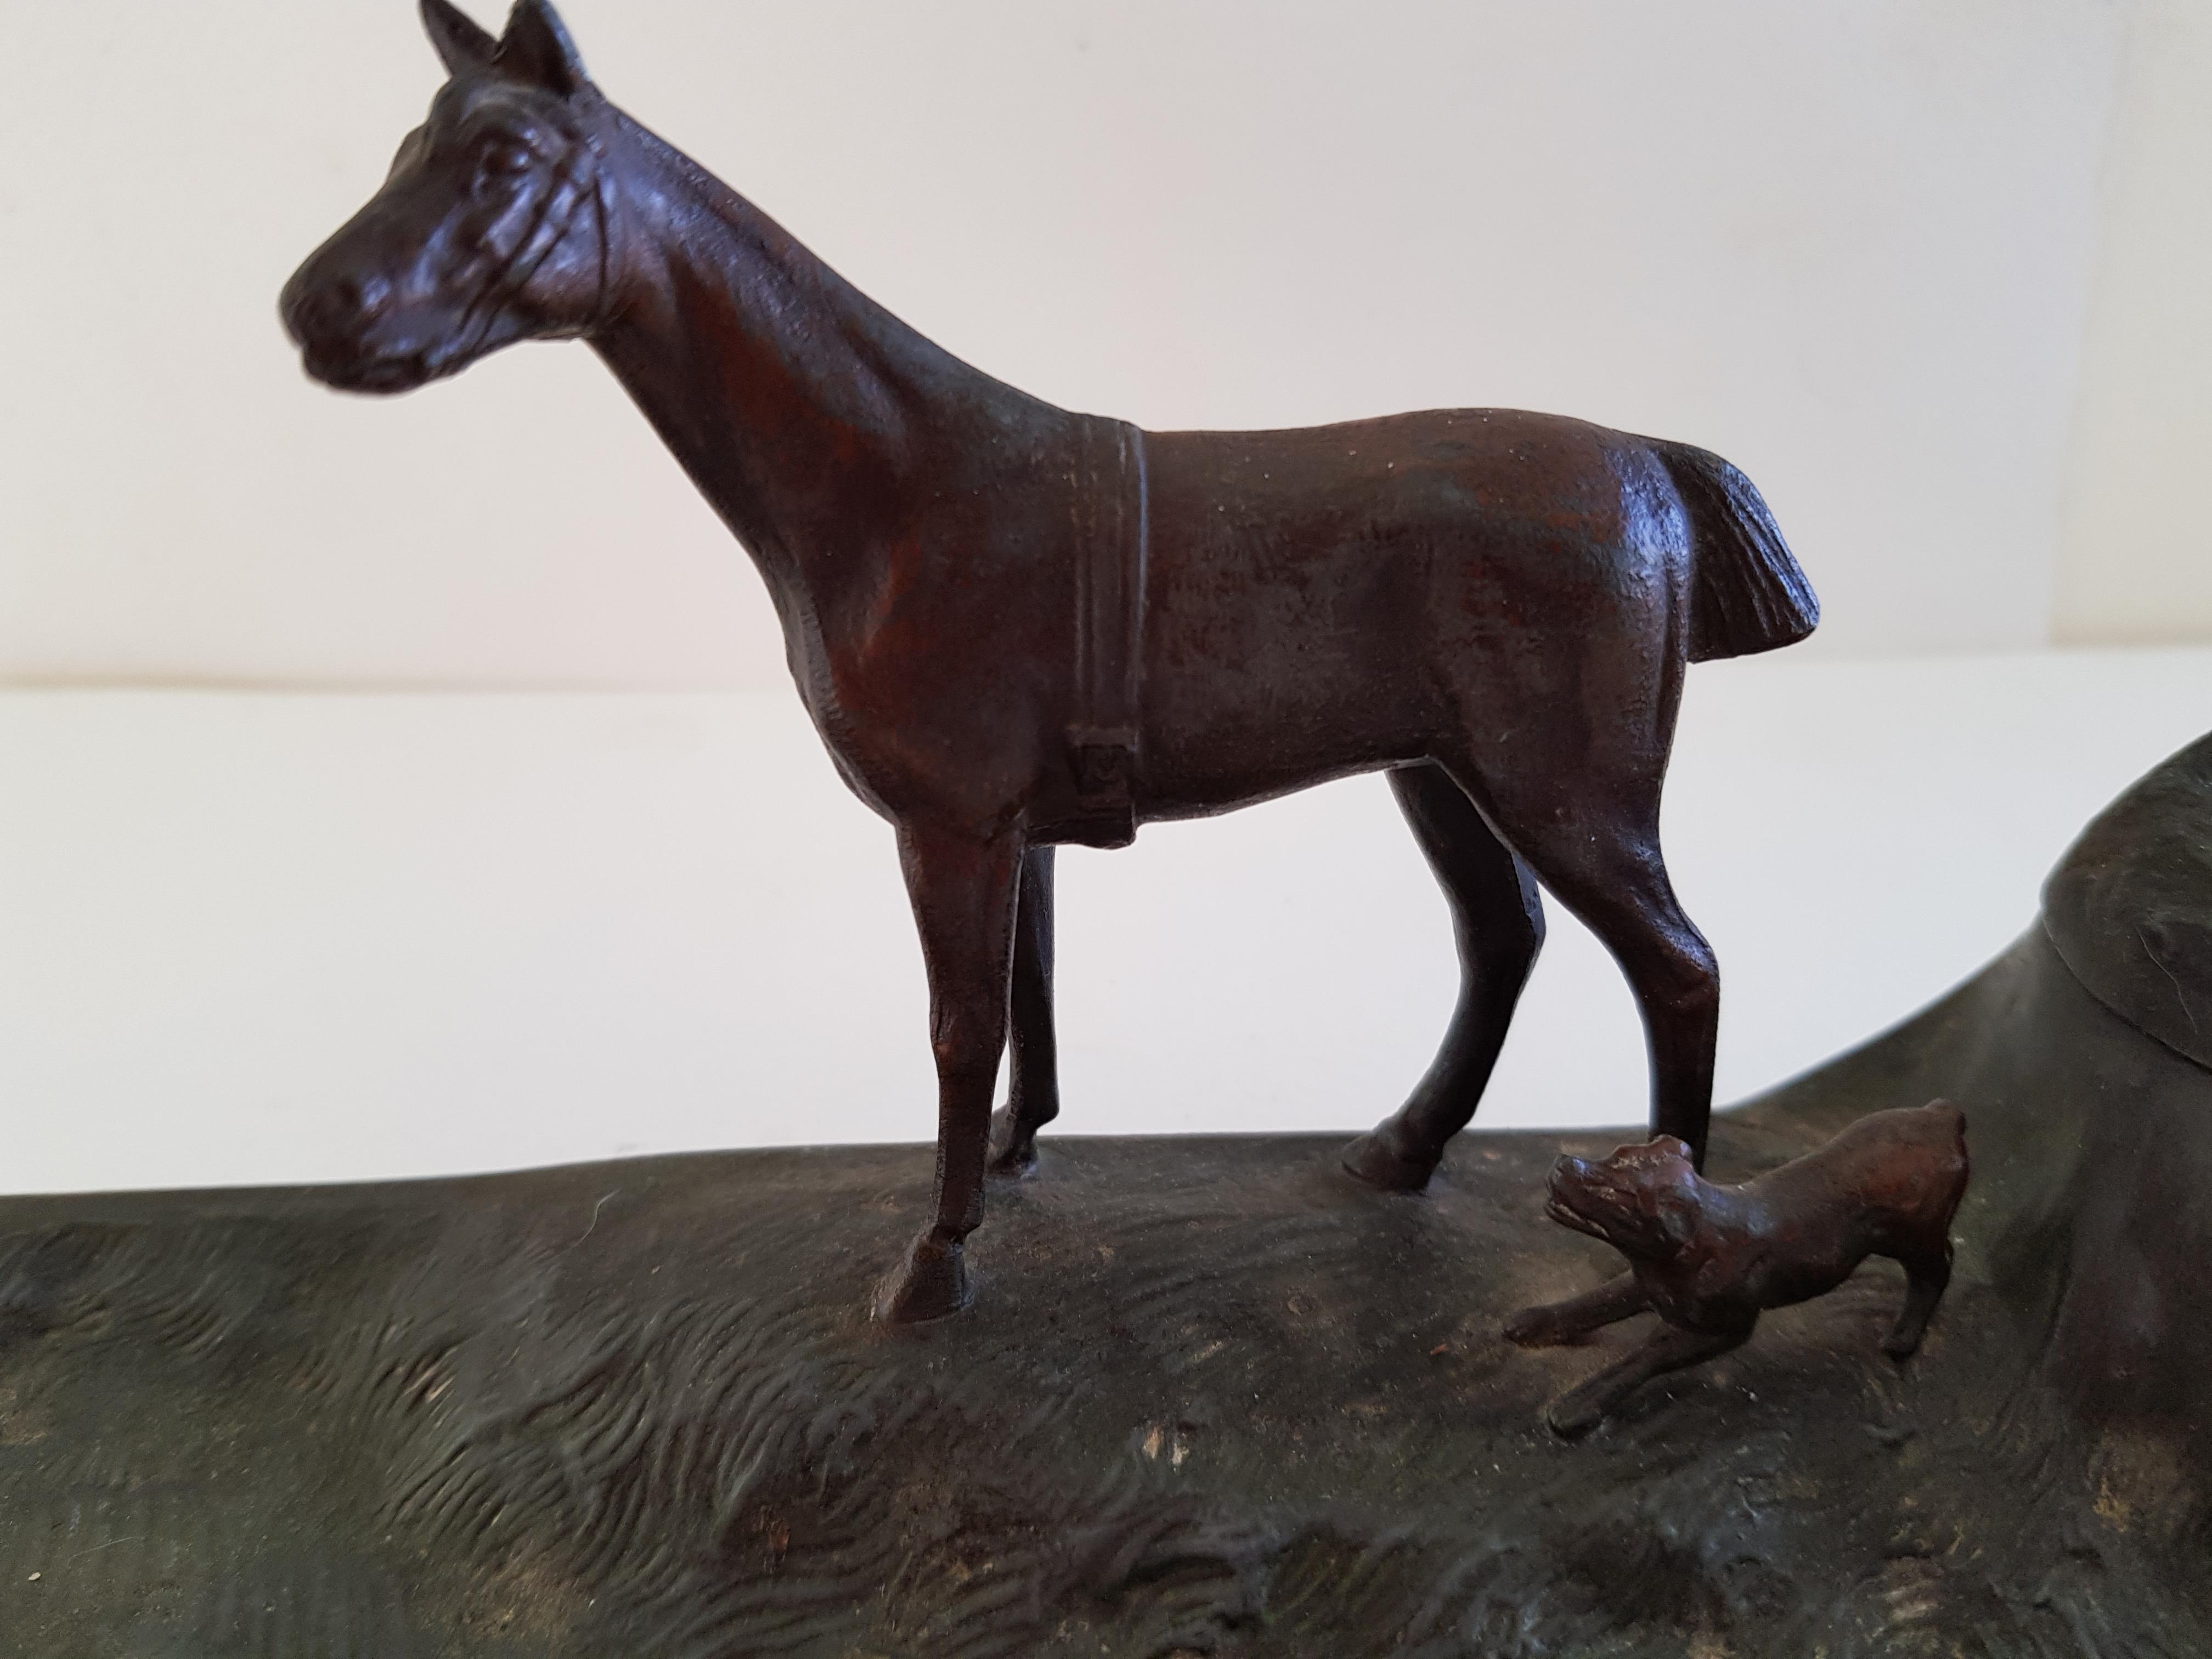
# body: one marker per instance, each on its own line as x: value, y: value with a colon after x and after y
x: 1708, y: 1258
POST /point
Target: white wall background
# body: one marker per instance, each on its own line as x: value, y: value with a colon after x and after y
x: 1856, y: 247
x: 2135, y: 560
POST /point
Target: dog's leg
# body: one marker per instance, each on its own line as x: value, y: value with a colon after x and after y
x: 1562, y: 1321
x: 1583, y: 1406
x: 1925, y: 1278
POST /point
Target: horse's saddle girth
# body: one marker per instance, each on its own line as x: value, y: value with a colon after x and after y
x: 1109, y: 557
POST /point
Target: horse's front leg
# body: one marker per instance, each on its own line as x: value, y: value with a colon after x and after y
x: 1033, y: 1091
x: 962, y: 887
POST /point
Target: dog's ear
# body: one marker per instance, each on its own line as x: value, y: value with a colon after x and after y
x: 1675, y: 1145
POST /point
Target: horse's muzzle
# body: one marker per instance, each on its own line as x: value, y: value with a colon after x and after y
x: 357, y: 372
x: 333, y: 318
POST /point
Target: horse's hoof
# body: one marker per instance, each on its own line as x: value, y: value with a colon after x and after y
x: 930, y: 1283
x: 1013, y: 1163
x: 1010, y: 1158
x: 1372, y: 1160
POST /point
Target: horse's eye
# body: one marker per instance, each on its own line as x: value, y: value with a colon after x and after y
x: 502, y: 158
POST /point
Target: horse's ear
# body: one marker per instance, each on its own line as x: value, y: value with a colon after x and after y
x: 536, y: 48
x: 461, y: 44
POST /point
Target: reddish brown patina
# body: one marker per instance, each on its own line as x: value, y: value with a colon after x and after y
x: 1707, y: 1259
x: 1016, y: 627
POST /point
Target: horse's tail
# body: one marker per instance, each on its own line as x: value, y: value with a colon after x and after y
x: 1747, y: 593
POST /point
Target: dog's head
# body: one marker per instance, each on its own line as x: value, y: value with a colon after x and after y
x: 1643, y: 1201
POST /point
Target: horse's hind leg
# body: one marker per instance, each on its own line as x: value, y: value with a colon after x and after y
x: 1497, y: 918
x: 1033, y: 1091
x: 1597, y: 847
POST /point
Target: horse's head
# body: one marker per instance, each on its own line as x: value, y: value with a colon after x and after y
x: 491, y: 227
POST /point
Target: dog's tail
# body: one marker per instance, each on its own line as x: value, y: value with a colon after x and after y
x: 1747, y: 593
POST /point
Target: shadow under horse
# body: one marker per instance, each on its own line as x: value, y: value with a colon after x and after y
x: 1017, y: 627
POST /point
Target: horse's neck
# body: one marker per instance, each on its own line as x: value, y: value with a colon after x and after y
x: 803, y: 411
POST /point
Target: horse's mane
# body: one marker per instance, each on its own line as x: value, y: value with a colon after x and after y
x: 881, y: 335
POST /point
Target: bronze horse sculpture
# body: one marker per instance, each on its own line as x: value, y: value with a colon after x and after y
x: 1015, y: 626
